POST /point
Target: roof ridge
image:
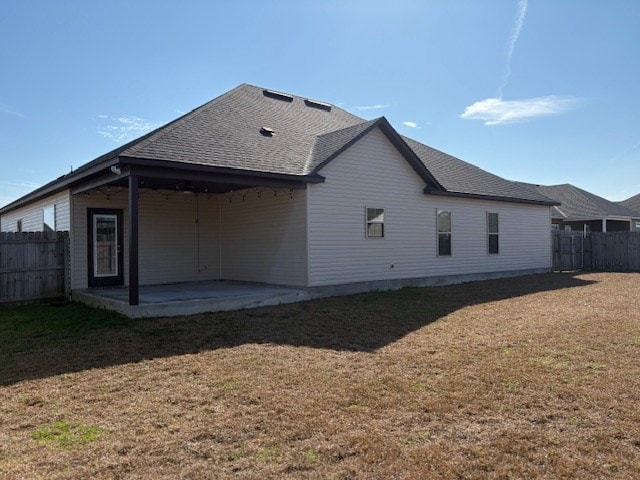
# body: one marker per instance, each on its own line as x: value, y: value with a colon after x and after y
x: 589, y: 197
x: 350, y: 126
x: 304, y: 97
x: 318, y: 138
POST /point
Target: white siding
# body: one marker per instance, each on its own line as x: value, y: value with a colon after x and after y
x: 168, y: 242
x: 264, y: 238
x: 371, y: 173
x: 32, y: 215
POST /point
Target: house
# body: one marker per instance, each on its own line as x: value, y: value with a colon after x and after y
x: 633, y: 203
x: 580, y: 210
x: 263, y: 186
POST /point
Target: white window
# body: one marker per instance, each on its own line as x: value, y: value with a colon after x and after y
x: 105, y: 245
x: 49, y: 218
x: 492, y: 234
x: 444, y: 232
x: 374, y: 222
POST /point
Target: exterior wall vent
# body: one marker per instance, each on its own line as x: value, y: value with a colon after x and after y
x: 316, y: 104
x: 277, y: 95
x: 267, y: 132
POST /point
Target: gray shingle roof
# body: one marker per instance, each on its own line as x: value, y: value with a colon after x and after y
x: 632, y: 203
x: 225, y: 133
x: 577, y: 203
x: 456, y: 175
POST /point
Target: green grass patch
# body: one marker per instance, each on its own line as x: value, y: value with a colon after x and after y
x: 312, y: 456
x: 269, y: 455
x: 28, y: 327
x: 65, y: 435
x: 422, y: 387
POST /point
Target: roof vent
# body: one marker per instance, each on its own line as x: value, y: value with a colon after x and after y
x: 316, y: 104
x: 277, y: 95
x: 267, y: 132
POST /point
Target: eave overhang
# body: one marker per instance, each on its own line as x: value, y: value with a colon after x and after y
x: 156, y: 173
x: 597, y: 218
x: 495, y: 198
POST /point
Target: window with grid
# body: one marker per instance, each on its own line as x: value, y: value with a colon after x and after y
x: 493, y: 231
x: 375, y: 222
x: 444, y: 232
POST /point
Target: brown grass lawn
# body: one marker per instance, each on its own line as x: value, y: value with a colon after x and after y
x: 533, y: 377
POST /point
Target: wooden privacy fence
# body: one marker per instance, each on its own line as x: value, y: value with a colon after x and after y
x: 606, y: 251
x: 33, y: 266
x: 613, y: 251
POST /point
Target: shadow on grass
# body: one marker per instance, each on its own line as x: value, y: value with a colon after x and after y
x: 39, y: 341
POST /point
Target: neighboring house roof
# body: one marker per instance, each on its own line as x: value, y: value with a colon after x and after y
x: 632, y: 203
x: 579, y: 204
x: 251, y: 129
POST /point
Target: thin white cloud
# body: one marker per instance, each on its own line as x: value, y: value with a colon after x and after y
x: 12, y: 190
x: 123, y: 129
x: 495, y: 111
x: 377, y: 106
x: 515, y: 33
x: 9, y: 110
x: 10, y: 184
x: 410, y: 124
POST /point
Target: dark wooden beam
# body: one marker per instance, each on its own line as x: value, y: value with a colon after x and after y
x: 134, y: 288
x: 213, y: 178
x: 191, y: 167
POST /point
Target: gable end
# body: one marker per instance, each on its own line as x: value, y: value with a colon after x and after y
x: 396, y: 140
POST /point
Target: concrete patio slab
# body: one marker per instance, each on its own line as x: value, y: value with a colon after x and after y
x: 190, y: 297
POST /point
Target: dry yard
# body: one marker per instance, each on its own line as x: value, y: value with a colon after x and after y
x: 534, y: 377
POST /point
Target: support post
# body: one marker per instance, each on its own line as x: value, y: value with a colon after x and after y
x: 134, y: 288
x: 604, y: 224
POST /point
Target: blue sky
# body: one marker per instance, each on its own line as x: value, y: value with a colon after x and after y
x: 539, y: 91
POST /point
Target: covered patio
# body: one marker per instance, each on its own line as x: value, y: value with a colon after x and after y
x: 126, y: 287
x: 188, y: 298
